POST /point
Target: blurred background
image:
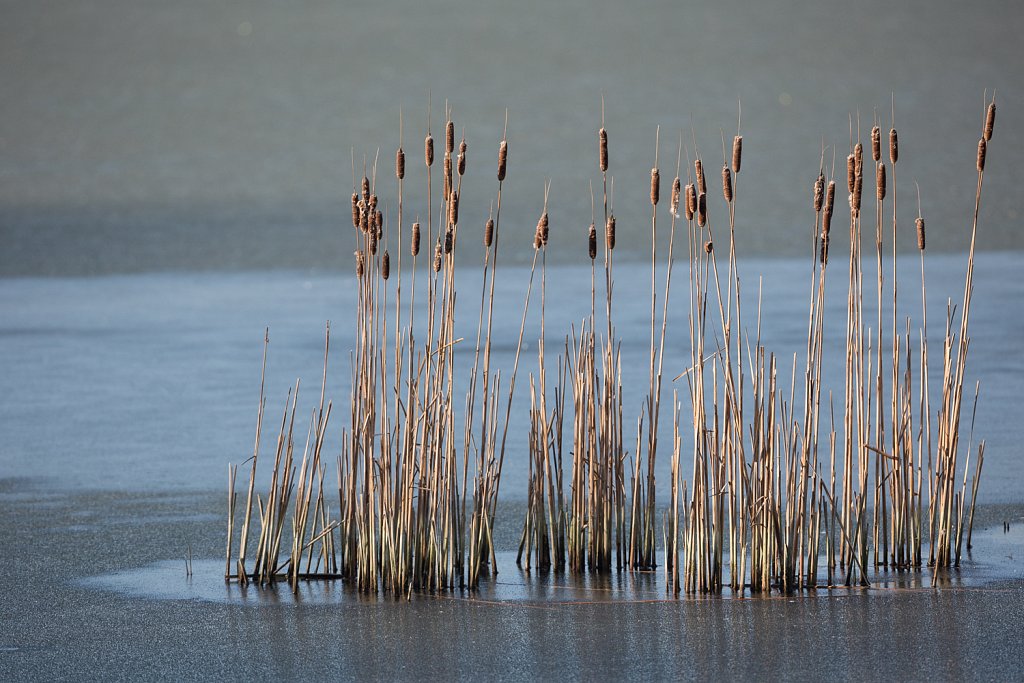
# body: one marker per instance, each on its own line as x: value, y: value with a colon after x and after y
x: 219, y: 135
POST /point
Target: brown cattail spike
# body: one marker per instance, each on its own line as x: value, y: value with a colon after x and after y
x: 858, y: 188
x: 449, y: 137
x: 880, y: 181
x: 602, y: 136
x: 851, y: 172
x: 709, y: 247
x: 355, y: 210
x: 876, y: 144
x: 609, y: 232
x: 415, y: 246
x: 737, y: 153
x: 453, y: 208
x: 858, y: 155
x: 378, y: 221
x: 982, y: 151
x: 727, y: 183
x: 691, y: 201
x: 360, y: 263
x: 372, y: 204
x: 824, y: 248
x: 400, y: 164
x: 364, y: 218
x: 894, y: 146
x: 437, y: 259
x: 698, y: 169
x: 990, y: 120
x: 592, y: 242
x: 489, y: 233
x: 830, y: 197
x: 819, y: 192
x: 462, y: 158
x: 702, y: 209
x: 920, y: 233
x: 826, y: 225
x: 366, y: 189
x: 373, y: 243
x: 655, y: 186
x: 385, y: 265
x: 449, y: 240
x: 502, y: 159
x: 447, y: 174
x: 542, y: 230
x: 428, y: 150
x: 677, y: 193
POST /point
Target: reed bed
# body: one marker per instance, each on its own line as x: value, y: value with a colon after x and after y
x: 790, y: 486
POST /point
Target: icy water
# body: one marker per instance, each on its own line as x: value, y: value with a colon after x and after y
x: 174, y: 179
x: 151, y: 382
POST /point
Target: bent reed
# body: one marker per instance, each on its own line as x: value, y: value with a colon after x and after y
x: 779, y: 497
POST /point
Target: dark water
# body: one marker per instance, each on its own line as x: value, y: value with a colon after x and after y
x: 196, y: 135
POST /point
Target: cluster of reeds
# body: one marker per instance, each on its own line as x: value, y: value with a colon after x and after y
x: 409, y: 514
x: 776, y: 490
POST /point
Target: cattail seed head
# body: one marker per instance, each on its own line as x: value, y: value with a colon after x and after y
x: 366, y: 189
x: 609, y: 232
x: 453, y: 208
x: 880, y: 181
x: 708, y: 247
x: 373, y: 243
x: 400, y: 164
x: 819, y: 192
x: 851, y: 172
x: 602, y: 136
x: 690, y: 206
x: 372, y: 204
x: 592, y: 242
x: 449, y: 240
x: 437, y: 259
x: 824, y: 248
x: 894, y: 146
x: 737, y: 153
x: 990, y: 120
x: 698, y: 169
x: 449, y: 137
x: 830, y: 197
x: 385, y: 265
x: 655, y: 186
x: 378, y: 222
x: 355, y: 210
x: 677, y: 193
x: 726, y: 183
x: 858, y: 156
x: 920, y: 232
x: 702, y: 209
x: 360, y: 263
x: 982, y: 151
x: 462, y: 158
x: 876, y: 144
x: 415, y: 246
x: 542, y: 230
x: 855, y: 197
x: 447, y: 174
x: 364, y: 218
x: 489, y: 233
x: 428, y: 150
x: 502, y: 159
x: 826, y: 225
